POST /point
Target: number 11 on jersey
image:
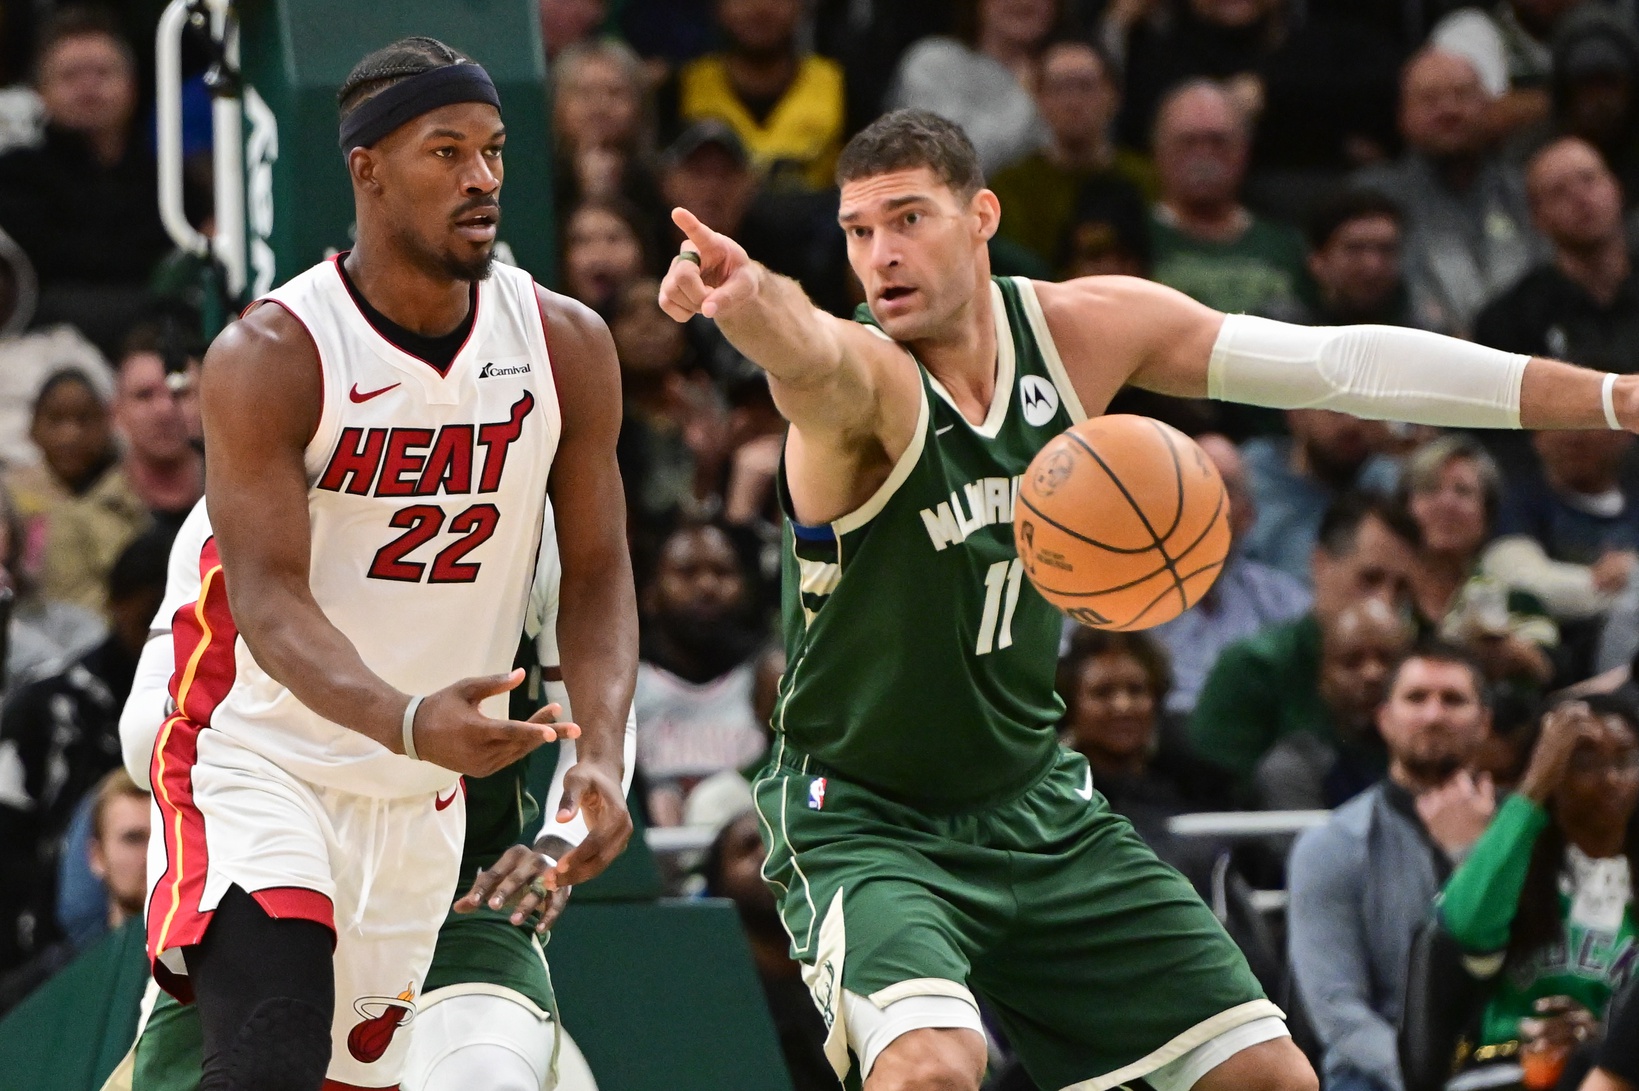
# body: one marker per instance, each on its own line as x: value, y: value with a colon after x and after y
x: 996, y: 623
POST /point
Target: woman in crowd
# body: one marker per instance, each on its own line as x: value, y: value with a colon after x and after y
x: 604, y: 132
x: 674, y: 433
x: 982, y: 79
x: 1543, y: 905
x: 605, y: 249
x: 71, y: 429
x: 1114, y: 685
x: 1454, y: 490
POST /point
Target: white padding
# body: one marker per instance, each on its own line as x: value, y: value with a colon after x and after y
x: 872, y: 1029
x: 1378, y: 372
x: 478, y: 1040
x: 1181, y: 1074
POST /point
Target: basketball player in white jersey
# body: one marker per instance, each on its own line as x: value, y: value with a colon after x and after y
x: 383, y: 432
x: 487, y: 1029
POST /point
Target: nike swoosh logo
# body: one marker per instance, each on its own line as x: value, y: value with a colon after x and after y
x: 942, y: 431
x: 357, y: 396
x: 440, y: 802
x: 1087, y: 792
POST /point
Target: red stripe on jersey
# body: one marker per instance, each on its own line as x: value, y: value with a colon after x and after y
x: 337, y: 1085
x: 204, y: 635
x: 174, y: 917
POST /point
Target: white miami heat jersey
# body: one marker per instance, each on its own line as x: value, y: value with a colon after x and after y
x: 426, y: 493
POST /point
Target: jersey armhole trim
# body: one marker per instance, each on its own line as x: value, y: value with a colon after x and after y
x: 869, y: 510
x: 1049, y: 349
x: 535, y: 289
x: 318, y: 355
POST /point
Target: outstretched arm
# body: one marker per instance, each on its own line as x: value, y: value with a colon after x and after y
x: 851, y: 395
x: 1168, y: 343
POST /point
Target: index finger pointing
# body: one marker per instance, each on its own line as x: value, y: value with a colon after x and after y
x: 690, y: 225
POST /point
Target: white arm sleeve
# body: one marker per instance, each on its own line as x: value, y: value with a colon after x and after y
x: 1566, y: 590
x: 1378, y: 372
x: 574, y: 831
x: 147, y: 706
x: 541, y: 623
x: 150, y: 700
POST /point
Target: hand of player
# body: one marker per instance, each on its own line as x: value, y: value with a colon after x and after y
x: 1562, y: 729
x: 509, y: 882
x: 452, y: 732
x: 594, y: 790
x: 722, y: 277
x: 1457, y: 812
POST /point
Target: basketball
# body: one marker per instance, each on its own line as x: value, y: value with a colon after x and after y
x: 1122, y: 522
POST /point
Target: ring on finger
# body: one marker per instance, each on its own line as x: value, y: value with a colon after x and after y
x: 538, y: 888
x: 688, y: 255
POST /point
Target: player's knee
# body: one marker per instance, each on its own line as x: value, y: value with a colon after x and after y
x: 930, y: 1060
x: 1276, y: 1065
x: 1296, y: 1075
x: 283, y: 1046
x: 494, y: 1067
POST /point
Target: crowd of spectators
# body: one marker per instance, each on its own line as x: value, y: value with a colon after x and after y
x: 1432, y: 636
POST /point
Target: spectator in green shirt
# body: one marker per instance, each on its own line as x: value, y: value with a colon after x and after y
x: 1077, y: 97
x: 1207, y: 243
x: 1267, y: 687
x: 1543, y: 906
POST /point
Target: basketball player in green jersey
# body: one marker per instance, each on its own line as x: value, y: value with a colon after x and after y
x: 928, y: 840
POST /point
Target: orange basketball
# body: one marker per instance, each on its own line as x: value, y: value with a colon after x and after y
x: 1122, y: 522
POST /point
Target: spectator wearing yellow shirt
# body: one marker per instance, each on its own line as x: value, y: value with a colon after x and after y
x: 787, y: 108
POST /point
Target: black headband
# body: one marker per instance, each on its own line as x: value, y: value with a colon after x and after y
x: 407, y: 100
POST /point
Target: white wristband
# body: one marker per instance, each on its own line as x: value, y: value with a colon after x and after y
x: 1609, y: 402
x: 409, y: 728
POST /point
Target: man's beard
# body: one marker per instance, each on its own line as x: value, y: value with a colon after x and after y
x: 712, y: 644
x: 442, y: 263
x: 1434, y: 769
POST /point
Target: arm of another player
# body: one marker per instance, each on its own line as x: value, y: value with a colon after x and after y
x: 1115, y: 330
x: 597, y: 603
x: 850, y: 394
x: 261, y: 391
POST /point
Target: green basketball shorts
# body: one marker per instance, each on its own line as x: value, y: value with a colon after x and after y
x: 1100, y: 961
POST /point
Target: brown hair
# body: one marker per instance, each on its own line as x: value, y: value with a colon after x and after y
x: 907, y: 139
x: 81, y: 21
x: 115, y: 785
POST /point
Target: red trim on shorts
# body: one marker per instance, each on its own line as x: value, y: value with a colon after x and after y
x: 174, y: 917
x: 336, y: 1085
x: 204, y: 636
x: 298, y: 903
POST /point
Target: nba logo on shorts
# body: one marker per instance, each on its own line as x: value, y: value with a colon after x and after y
x: 816, y: 793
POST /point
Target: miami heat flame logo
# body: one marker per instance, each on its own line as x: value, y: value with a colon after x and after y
x: 381, y: 1017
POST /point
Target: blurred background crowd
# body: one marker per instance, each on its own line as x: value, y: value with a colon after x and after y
x: 1430, y: 635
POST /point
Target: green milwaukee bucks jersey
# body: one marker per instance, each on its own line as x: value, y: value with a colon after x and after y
x: 920, y: 661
